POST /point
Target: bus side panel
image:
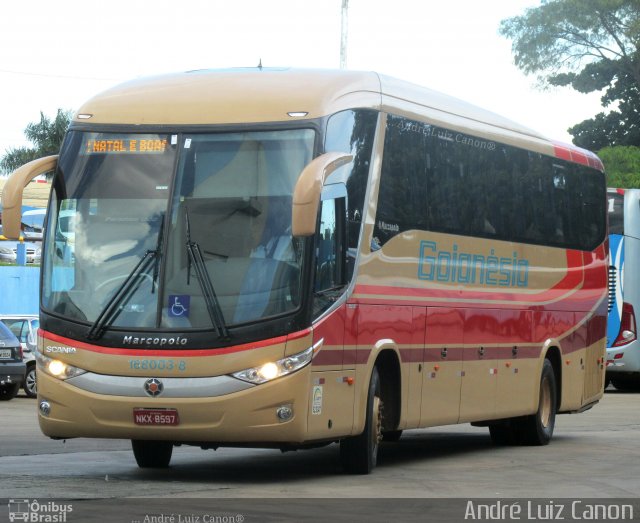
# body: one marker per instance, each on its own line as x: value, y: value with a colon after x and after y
x: 625, y: 358
x: 617, y: 249
x: 442, y: 377
x: 413, y: 360
x: 380, y: 327
x: 331, y: 398
x: 595, y: 354
x: 517, y: 368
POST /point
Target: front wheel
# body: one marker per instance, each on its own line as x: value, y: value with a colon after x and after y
x: 359, y: 454
x: 30, y: 385
x: 537, y: 429
x: 152, y: 454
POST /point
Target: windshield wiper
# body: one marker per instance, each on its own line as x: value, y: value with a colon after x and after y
x: 156, y: 266
x: 123, y: 294
x: 202, y: 275
x: 128, y: 288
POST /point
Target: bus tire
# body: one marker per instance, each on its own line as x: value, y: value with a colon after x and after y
x: 359, y: 454
x: 391, y: 435
x: 503, y: 434
x: 537, y: 429
x: 152, y: 454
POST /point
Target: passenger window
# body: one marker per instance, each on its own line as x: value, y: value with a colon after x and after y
x: 330, y: 252
x: 327, y: 274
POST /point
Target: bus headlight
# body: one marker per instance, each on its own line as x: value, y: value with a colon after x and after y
x: 276, y: 369
x: 56, y: 368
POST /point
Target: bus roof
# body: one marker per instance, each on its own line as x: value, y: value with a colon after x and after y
x: 259, y: 95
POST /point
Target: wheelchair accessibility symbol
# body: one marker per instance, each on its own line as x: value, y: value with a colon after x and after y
x: 179, y: 305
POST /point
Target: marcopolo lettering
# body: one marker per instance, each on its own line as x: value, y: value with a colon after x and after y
x: 464, y: 267
x: 152, y: 340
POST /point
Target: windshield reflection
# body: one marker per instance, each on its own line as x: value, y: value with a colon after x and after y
x: 107, y: 214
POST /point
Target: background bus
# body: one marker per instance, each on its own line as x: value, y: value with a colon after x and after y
x: 623, y: 347
x: 293, y: 258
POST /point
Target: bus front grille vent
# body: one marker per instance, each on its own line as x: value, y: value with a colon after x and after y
x: 612, y: 285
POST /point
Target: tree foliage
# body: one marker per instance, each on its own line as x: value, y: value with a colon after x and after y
x: 622, y: 164
x: 590, y: 45
x: 45, y: 136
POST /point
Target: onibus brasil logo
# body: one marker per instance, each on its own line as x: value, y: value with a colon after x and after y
x: 38, y: 512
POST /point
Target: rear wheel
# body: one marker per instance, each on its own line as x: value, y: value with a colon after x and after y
x: 391, y: 435
x: 152, y: 454
x: 537, y: 429
x: 359, y: 454
x: 30, y: 385
x: 503, y: 434
x: 8, y: 392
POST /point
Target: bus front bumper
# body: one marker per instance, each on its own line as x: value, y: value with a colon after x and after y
x: 253, y: 414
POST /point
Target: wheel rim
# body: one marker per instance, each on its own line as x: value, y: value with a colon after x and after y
x: 31, y: 382
x: 545, y: 403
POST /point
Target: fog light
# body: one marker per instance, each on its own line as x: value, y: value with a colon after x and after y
x: 284, y: 413
x: 45, y: 408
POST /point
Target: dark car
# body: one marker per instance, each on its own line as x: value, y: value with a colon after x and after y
x: 25, y: 328
x: 12, y: 368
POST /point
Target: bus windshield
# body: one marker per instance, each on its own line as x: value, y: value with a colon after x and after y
x: 137, y: 207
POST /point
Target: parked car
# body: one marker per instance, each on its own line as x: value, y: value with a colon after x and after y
x: 25, y: 328
x: 12, y: 368
x: 9, y: 249
x: 33, y: 223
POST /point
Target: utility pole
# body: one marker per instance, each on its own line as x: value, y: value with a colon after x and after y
x: 343, y: 34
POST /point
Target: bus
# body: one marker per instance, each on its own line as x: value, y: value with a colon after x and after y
x: 284, y: 258
x: 623, y: 348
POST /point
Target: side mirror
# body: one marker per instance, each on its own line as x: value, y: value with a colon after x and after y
x: 13, y: 189
x: 306, y: 194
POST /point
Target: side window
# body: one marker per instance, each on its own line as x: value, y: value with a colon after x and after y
x: 327, y: 274
x: 441, y: 180
x: 406, y: 164
x: 615, y: 208
x: 352, y: 131
x: 330, y: 252
x: 18, y: 328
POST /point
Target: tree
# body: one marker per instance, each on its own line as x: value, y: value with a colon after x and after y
x: 46, y: 137
x: 622, y: 165
x: 590, y: 45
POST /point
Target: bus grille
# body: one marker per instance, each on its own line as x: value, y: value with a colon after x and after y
x: 613, y: 272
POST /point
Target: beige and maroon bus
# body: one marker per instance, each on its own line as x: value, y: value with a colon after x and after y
x: 291, y: 258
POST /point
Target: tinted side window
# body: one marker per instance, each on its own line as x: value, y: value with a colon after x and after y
x: 615, y: 208
x: 6, y: 335
x: 441, y: 180
x: 352, y: 131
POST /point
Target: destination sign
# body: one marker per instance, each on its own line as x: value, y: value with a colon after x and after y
x: 134, y: 144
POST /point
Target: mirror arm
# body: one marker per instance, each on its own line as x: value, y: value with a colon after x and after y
x: 306, y: 194
x: 13, y: 189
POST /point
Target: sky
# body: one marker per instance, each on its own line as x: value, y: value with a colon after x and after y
x: 59, y: 54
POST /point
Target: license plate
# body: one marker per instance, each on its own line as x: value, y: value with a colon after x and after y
x: 5, y: 354
x: 155, y: 417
